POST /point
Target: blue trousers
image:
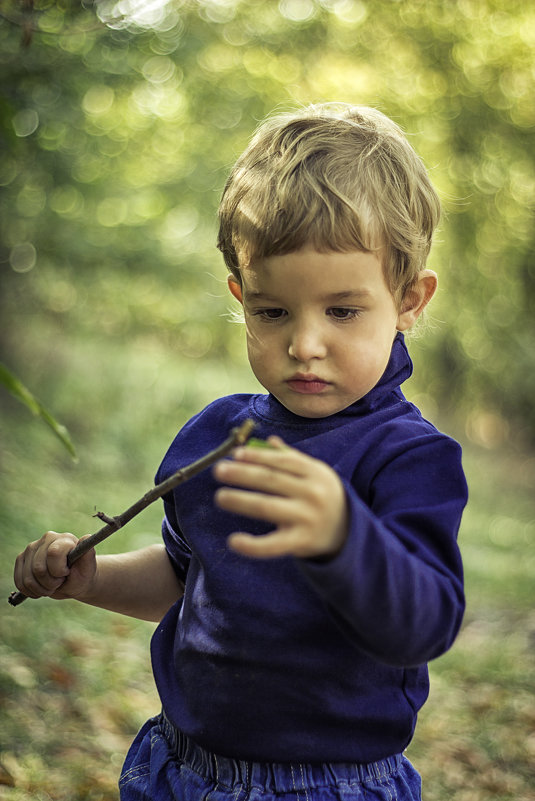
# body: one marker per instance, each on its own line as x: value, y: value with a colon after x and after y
x: 165, y: 765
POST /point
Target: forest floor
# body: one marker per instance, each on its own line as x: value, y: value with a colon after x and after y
x: 76, y: 684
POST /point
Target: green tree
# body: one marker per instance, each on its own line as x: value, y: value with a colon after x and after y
x: 117, y: 133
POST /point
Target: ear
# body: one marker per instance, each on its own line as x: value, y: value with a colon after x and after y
x: 235, y: 288
x: 416, y: 299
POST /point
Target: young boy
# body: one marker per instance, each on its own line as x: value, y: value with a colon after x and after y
x: 302, y: 588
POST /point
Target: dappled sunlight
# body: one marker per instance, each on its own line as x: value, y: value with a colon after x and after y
x: 158, y: 14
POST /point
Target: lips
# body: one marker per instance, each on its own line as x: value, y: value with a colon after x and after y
x: 307, y: 384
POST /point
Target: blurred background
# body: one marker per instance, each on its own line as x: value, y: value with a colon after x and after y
x: 119, y: 122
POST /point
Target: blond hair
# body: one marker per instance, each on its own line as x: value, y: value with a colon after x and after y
x: 334, y: 177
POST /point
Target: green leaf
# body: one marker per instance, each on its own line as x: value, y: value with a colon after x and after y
x: 254, y: 442
x: 23, y: 394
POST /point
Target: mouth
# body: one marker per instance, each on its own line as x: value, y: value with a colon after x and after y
x: 307, y: 384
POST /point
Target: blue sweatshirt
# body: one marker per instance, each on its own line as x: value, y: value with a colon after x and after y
x: 315, y: 661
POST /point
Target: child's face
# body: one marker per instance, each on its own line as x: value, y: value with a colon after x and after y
x: 320, y: 327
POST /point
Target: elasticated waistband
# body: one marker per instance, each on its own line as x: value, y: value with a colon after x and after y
x: 278, y: 777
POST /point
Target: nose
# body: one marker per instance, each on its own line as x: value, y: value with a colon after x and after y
x: 307, y: 342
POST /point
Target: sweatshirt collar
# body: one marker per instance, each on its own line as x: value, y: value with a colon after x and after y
x: 398, y: 369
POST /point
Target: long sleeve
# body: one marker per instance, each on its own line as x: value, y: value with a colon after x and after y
x: 396, y: 588
x: 178, y: 550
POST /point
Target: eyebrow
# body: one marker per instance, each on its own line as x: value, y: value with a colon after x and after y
x: 349, y: 294
x: 258, y: 295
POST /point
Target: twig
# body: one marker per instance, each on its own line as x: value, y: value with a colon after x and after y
x: 237, y: 437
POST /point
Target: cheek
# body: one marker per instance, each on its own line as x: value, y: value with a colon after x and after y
x: 261, y: 340
x: 367, y: 360
x: 257, y: 349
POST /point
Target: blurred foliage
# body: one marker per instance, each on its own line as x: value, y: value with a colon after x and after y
x: 23, y: 394
x: 119, y: 122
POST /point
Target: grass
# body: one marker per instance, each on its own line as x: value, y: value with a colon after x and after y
x: 75, y: 682
x: 476, y: 735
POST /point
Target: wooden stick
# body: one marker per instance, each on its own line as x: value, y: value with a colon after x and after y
x: 238, y: 436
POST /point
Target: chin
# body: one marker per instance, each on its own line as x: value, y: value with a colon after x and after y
x: 312, y: 412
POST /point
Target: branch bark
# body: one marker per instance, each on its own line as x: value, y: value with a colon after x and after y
x: 238, y: 436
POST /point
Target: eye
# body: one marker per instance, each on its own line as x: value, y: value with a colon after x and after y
x: 269, y: 314
x: 343, y: 313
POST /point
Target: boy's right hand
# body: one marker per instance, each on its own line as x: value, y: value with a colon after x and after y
x: 41, y: 569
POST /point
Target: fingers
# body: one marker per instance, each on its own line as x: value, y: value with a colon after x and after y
x: 277, y: 471
x: 270, y: 546
x: 280, y: 457
x: 254, y: 477
x: 42, y: 567
x: 257, y: 505
x: 269, y: 482
x: 302, y: 496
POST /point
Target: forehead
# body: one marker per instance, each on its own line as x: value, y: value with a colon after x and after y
x: 308, y: 273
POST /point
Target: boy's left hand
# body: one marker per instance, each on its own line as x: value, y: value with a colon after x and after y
x: 302, y: 496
